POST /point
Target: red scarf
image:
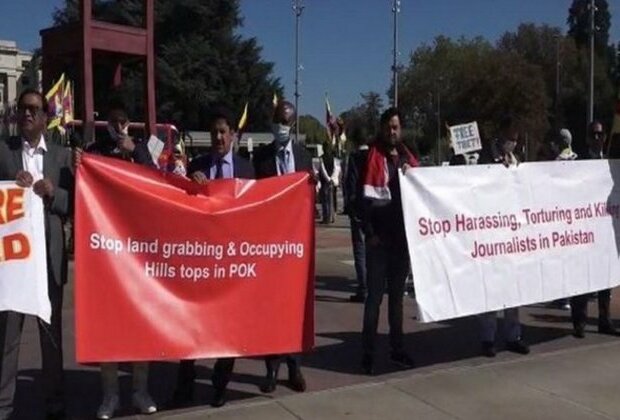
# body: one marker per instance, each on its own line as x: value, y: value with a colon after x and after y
x: 377, y: 176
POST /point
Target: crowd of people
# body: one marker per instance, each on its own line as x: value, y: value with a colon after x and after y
x: 372, y: 201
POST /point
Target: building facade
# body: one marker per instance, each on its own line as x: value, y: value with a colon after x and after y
x: 17, y: 72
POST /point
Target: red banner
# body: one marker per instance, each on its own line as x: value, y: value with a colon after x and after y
x: 169, y: 269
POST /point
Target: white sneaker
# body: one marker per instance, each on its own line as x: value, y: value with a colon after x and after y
x: 143, y: 402
x: 108, y: 406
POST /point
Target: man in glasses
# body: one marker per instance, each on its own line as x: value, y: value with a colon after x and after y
x: 34, y: 162
x: 579, y: 304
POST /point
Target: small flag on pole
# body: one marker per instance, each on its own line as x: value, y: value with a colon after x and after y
x: 244, y: 118
x: 55, y: 100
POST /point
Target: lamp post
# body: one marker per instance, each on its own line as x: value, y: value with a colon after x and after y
x: 395, y: 12
x: 298, y: 8
x: 592, y: 8
x: 558, y: 67
x: 439, y: 81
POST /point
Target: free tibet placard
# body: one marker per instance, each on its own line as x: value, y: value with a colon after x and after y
x: 484, y: 238
x: 169, y: 269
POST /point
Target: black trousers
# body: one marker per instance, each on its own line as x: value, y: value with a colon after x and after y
x: 579, y: 308
x: 272, y: 363
x: 50, y: 338
x: 387, y: 264
x: 222, y: 372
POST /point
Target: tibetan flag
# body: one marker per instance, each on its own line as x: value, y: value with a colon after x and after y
x: 274, y: 101
x: 244, y: 118
x: 54, y: 99
x: 330, y: 121
x: 328, y: 113
x: 67, y: 104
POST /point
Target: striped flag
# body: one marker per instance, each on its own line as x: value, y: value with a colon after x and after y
x: 55, y: 100
x: 330, y: 122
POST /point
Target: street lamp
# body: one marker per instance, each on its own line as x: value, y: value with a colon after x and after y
x: 592, y: 8
x: 395, y: 12
x: 298, y: 8
x: 439, y: 81
x: 558, y: 68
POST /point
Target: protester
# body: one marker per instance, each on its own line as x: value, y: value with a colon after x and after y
x: 329, y: 176
x: 502, y: 151
x: 563, y: 146
x: 579, y: 304
x: 281, y: 157
x: 118, y: 144
x: 34, y: 162
x: 387, y: 257
x: 354, y: 208
x: 219, y: 163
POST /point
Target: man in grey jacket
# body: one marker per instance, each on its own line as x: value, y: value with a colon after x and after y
x: 46, y: 168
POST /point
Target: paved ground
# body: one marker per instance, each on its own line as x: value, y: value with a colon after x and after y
x: 562, y: 378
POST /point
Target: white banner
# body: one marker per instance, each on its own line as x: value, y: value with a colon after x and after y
x: 23, y: 262
x: 484, y: 238
x: 465, y: 138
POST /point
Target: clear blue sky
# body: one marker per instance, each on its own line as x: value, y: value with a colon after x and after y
x: 346, y: 45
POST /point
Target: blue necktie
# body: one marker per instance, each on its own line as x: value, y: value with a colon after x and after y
x: 283, y: 161
x: 218, y: 169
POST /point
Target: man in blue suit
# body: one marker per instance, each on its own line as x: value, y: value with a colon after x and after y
x: 220, y: 163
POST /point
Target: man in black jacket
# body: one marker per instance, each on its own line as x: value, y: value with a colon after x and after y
x: 220, y: 163
x: 579, y: 304
x: 387, y: 256
x: 354, y: 208
x: 116, y: 142
x: 281, y: 157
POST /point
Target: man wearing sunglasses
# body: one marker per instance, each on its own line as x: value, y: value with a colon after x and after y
x: 579, y: 304
x: 34, y: 162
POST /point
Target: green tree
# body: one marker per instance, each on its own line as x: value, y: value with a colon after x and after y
x: 201, y: 61
x: 467, y: 80
x: 362, y: 120
x: 315, y: 132
x: 579, y: 23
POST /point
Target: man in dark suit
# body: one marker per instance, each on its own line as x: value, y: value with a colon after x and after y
x: 281, y: 157
x: 220, y: 163
x: 46, y: 168
x: 579, y: 304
